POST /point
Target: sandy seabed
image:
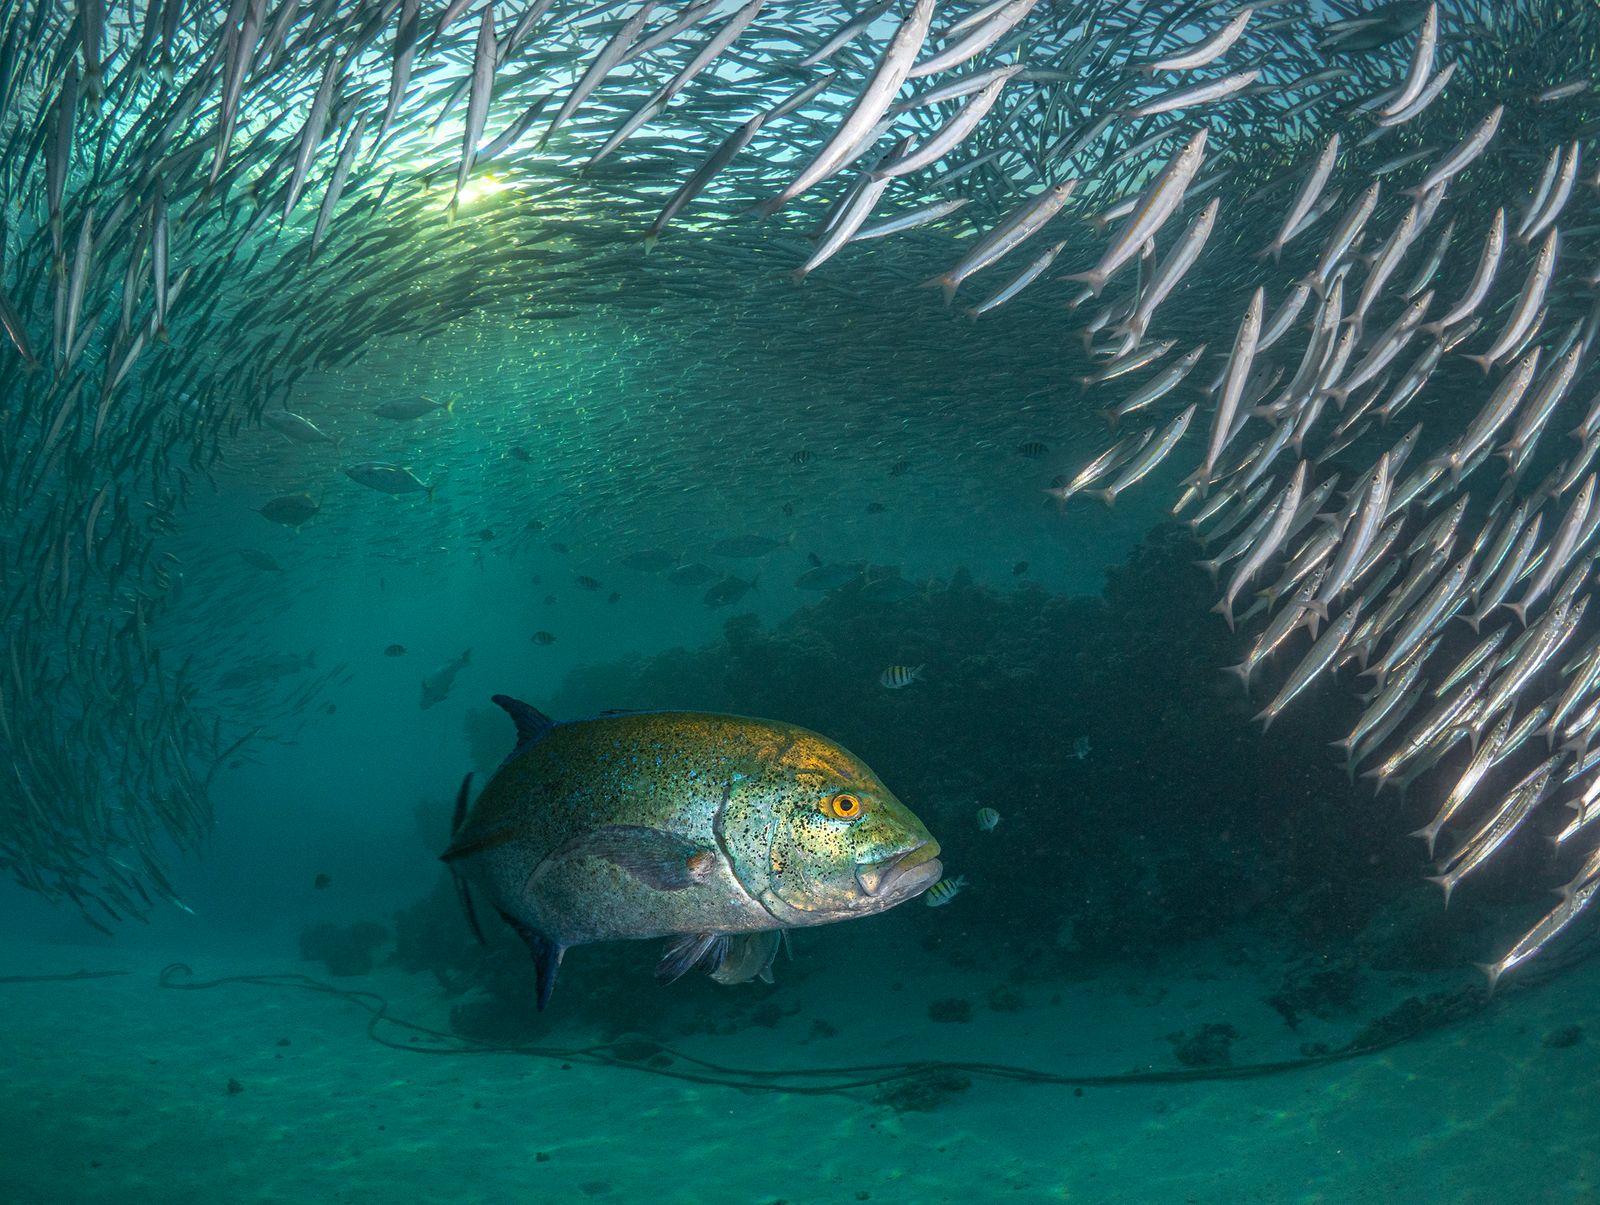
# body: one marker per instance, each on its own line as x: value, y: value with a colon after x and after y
x: 117, y: 1091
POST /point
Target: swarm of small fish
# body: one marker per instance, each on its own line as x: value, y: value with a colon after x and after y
x: 1291, y: 238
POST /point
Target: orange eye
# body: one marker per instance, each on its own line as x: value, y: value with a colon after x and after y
x: 843, y: 806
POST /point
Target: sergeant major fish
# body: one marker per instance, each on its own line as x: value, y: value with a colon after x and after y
x: 715, y: 831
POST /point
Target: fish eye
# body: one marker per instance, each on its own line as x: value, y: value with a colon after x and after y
x: 843, y: 806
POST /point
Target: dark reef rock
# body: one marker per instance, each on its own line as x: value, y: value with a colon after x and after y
x: 923, y: 1093
x: 343, y: 949
x: 952, y: 1010
x: 1207, y: 1045
x: 1326, y: 993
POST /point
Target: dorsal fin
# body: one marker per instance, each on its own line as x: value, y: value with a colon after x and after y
x: 532, y: 724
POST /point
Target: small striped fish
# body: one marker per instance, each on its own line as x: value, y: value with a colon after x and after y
x: 987, y: 819
x: 898, y: 677
x: 945, y: 890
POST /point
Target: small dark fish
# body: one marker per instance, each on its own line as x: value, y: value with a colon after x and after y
x: 395, y: 650
x: 291, y: 510
x: 533, y: 525
x: 557, y: 546
x: 899, y: 468
x: 744, y: 547
x: 486, y: 534
x: 536, y: 579
x: 614, y: 597
x: 728, y: 591
x: 876, y: 508
x: 1032, y: 449
x: 329, y: 708
x: 1019, y: 568
x: 814, y: 560
x: 322, y: 882
x: 544, y: 637
x: 692, y: 574
x: 801, y: 457
x: 408, y: 408
x: 549, y: 600
x: 788, y: 508
x: 521, y: 453
x: 585, y: 582
x: 257, y: 559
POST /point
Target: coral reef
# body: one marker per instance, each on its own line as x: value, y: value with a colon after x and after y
x: 343, y: 949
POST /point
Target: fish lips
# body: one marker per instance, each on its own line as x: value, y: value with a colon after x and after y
x: 904, y: 874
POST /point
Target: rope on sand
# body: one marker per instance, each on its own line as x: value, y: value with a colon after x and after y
x: 638, y: 1052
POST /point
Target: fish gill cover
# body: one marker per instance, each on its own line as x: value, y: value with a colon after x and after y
x: 1320, y: 279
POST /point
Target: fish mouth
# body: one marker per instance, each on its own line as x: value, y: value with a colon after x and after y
x: 907, y: 872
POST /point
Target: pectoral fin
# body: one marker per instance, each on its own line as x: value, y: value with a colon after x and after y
x: 660, y: 859
x: 690, y: 950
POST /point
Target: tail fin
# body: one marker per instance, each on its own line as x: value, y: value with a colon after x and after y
x: 945, y: 284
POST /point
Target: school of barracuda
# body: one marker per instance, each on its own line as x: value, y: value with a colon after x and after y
x: 1310, y: 225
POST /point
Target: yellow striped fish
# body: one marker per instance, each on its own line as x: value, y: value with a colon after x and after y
x: 898, y: 677
x: 945, y: 890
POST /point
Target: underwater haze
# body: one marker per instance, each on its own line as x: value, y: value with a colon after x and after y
x: 916, y: 602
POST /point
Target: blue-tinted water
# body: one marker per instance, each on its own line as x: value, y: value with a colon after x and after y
x: 1173, y: 957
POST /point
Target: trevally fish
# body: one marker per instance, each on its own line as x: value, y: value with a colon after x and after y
x: 436, y: 686
x: 388, y: 478
x: 267, y: 669
x: 404, y: 409
x: 716, y: 831
x: 291, y: 510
